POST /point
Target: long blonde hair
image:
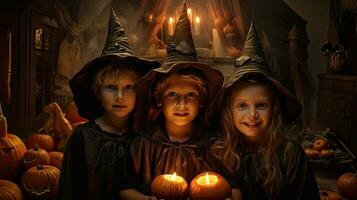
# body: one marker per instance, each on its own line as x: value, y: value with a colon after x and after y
x: 229, y: 148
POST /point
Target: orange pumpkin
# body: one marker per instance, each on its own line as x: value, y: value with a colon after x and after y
x: 12, y: 150
x: 329, y: 195
x: 72, y: 114
x: 44, y: 141
x: 312, y: 153
x: 56, y: 159
x: 34, y: 157
x: 320, y: 144
x: 169, y: 186
x: 9, y: 191
x: 347, y: 185
x: 209, y: 186
x: 41, y: 182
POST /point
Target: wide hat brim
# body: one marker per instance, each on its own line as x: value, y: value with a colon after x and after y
x: 291, y: 108
x: 145, y: 86
x: 81, y: 84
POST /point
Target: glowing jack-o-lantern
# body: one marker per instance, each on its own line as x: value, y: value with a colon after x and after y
x: 41, y: 182
x: 169, y: 186
x: 12, y: 150
x: 209, y: 186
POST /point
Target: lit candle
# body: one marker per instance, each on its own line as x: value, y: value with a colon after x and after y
x: 209, y: 186
x: 170, y: 26
x: 197, y: 26
x: 217, y: 45
x: 189, y: 14
x: 169, y: 186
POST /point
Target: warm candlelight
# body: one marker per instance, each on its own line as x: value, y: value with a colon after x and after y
x: 217, y: 45
x: 174, y: 177
x: 197, y: 26
x: 169, y: 186
x: 170, y: 26
x: 209, y: 186
x: 189, y: 14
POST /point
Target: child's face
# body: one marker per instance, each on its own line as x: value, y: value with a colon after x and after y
x: 180, y: 100
x: 251, y: 107
x: 118, y: 96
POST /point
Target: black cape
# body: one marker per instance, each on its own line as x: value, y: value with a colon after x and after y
x: 300, y: 184
x: 92, y: 163
x: 152, y: 155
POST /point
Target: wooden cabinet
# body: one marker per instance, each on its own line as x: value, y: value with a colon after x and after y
x: 337, y: 106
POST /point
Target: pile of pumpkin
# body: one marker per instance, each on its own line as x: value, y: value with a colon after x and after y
x: 346, y: 183
x: 36, y: 163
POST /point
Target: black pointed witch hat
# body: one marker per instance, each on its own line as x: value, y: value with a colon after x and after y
x: 252, y: 63
x: 181, y: 54
x: 116, y: 50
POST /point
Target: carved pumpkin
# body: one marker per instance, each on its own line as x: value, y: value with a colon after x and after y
x: 9, y: 191
x: 347, y: 185
x: 56, y: 159
x: 41, y: 182
x: 169, y: 186
x: 12, y: 150
x: 34, y: 157
x: 44, y: 141
x: 72, y: 114
x: 329, y: 195
x: 209, y: 186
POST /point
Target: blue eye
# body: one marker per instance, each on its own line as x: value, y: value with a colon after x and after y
x: 172, y: 94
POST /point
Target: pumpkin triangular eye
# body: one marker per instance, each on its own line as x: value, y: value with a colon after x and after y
x: 7, y: 150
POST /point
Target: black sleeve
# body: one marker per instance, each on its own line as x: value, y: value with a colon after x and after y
x: 73, y: 179
x: 133, y: 165
x: 301, y: 182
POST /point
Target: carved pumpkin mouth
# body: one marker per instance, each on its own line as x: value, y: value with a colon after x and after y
x: 37, y: 191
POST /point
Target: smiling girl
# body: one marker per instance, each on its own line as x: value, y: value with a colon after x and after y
x: 255, y: 147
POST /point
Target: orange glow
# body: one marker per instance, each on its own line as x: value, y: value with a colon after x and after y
x: 174, y: 178
x: 207, y: 179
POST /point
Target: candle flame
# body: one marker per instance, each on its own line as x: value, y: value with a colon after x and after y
x: 189, y: 11
x: 197, y: 19
x: 174, y: 176
x: 207, y: 178
x: 171, y: 20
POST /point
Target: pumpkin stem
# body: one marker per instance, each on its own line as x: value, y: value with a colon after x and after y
x: 3, y: 124
x: 39, y: 167
x: 37, y: 147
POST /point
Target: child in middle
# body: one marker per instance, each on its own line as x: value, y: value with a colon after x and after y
x: 173, y: 118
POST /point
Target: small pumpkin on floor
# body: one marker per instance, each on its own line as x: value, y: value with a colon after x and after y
x: 347, y: 185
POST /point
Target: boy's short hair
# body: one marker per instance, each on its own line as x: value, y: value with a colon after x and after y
x: 192, y: 73
x: 112, y: 73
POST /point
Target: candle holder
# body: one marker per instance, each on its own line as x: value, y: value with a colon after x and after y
x: 209, y: 186
x: 169, y: 186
